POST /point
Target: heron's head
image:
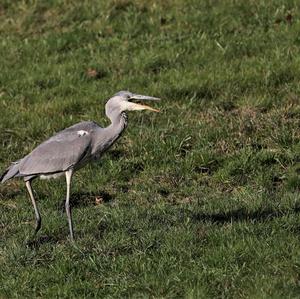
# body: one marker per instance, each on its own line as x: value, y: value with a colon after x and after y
x: 128, y: 101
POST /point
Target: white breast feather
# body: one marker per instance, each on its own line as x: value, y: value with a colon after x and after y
x: 82, y: 132
x: 50, y: 176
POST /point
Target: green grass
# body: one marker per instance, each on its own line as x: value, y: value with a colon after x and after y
x: 199, y: 201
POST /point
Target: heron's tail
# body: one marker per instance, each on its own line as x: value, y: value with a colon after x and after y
x: 10, y: 172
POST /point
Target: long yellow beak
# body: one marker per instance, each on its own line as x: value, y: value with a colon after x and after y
x: 134, y: 106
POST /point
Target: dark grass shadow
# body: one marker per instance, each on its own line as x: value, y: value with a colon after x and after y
x: 240, y: 215
x: 10, y: 193
x: 85, y: 199
x: 115, y: 154
x: 38, y: 241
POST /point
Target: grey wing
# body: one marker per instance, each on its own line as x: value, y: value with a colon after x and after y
x: 88, y: 126
x: 59, y: 153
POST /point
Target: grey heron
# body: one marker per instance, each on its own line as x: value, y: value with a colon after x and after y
x: 72, y: 148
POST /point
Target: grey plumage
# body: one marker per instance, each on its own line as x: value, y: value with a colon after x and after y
x: 70, y: 149
x: 10, y: 172
x: 61, y: 152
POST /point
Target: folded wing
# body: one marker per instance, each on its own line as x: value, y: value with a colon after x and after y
x: 59, y: 153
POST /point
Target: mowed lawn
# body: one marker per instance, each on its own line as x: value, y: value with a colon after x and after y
x: 200, y: 200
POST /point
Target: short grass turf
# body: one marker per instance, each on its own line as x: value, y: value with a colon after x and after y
x: 198, y: 201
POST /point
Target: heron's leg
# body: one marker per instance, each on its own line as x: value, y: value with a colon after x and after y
x: 36, y: 211
x: 67, y: 204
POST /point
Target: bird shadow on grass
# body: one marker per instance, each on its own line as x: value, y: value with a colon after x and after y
x: 243, y: 214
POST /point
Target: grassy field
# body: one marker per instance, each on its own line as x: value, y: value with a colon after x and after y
x: 198, y: 201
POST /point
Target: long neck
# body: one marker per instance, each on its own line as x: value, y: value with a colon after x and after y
x: 110, y: 134
x: 118, y: 121
x: 114, y: 111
